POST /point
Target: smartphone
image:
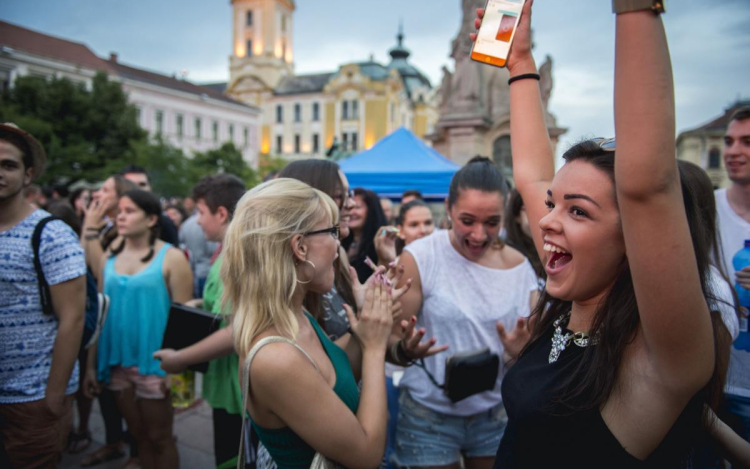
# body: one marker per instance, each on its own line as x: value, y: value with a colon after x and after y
x: 496, y: 34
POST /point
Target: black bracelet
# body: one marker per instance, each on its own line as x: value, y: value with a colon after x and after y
x: 535, y: 76
x: 401, y: 356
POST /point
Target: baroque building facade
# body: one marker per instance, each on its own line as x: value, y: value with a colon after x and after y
x: 309, y: 115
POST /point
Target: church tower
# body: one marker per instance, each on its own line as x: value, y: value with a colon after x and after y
x: 262, y: 49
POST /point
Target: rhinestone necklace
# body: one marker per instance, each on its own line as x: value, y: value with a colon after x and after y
x: 561, y: 341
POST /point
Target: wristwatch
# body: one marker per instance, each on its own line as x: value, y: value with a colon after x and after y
x: 625, y: 6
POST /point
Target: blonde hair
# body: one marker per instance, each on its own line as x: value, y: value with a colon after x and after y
x: 258, y: 270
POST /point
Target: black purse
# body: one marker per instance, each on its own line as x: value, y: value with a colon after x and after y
x: 467, y: 373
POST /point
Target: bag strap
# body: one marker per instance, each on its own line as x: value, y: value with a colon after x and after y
x: 421, y: 364
x: 45, y: 297
x: 246, y: 383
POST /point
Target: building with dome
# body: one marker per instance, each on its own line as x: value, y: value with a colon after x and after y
x: 308, y: 115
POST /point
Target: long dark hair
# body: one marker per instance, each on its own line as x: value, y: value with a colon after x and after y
x: 324, y: 176
x: 375, y: 219
x: 617, y: 318
x: 516, y: 238
x: 147, y: 202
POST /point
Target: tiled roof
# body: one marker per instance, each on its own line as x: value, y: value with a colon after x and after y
x: 165, y: 81
x: 26, y: 40
x: 218, y: 87
x: 721, y: 123
x: 50, y: 47
x: 300, y: 84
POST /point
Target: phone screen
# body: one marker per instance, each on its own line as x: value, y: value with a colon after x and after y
x: 496, y: 34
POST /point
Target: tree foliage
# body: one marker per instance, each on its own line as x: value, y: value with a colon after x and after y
x: 92, y: 134
x: 86, y: 133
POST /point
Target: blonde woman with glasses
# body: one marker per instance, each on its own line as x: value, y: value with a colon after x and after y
x: 302, y: 396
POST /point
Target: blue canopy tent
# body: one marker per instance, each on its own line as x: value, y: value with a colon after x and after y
x: 400, y: 162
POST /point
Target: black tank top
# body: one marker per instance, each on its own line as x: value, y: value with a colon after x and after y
x: 542, y: 434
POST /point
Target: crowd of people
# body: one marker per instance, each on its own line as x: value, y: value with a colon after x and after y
x: 583, y: 318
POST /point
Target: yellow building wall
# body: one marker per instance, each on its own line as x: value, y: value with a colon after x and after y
x: 420, y: 123
x: 376, y: 120
x: 330, y: 124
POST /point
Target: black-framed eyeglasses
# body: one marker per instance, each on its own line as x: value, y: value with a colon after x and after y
x: 335, y: 231
x: 606, y: 144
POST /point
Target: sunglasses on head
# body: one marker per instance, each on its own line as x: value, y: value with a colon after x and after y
x: 606, y: 144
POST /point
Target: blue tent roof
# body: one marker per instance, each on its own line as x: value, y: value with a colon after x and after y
x: 400, y: 162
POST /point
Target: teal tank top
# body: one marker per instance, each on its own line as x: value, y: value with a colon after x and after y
x: 138, y: 311
x: 286, y: 448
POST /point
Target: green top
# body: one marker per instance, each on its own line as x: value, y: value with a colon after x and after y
x: 286, y: 448
x: 221, y: 385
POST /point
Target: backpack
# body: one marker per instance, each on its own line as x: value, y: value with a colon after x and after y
x: 97, y: 304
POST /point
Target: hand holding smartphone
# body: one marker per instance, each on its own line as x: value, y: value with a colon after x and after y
x: 497, y: 31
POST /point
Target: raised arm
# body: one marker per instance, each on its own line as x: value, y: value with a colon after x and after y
x: 674, y: 316
x: 533, y: 159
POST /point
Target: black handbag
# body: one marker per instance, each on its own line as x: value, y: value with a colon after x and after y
x: 467, y: 373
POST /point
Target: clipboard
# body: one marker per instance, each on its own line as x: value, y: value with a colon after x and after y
x: 186, y: 326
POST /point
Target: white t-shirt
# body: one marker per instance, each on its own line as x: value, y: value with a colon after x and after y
x: 462, y: 303
x: 733, y: 231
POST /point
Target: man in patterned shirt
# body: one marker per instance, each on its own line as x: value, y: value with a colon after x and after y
x: 38, y: 370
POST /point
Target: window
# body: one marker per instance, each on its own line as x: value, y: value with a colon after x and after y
x: 354, y: 141
x: 245, y: 134
x: 137, y: 111
x: 5, y: 80
x: 393, y: 112
x: 283, y: 49
x: 279, y: 145
x: 714, y: 158
x: 316, y: 143
x: 283, y: 23
x: 296, y: 144
x: 279, y: 114
x: 345, y: 110
x: 215, y: 131
x: 249, y: 18
x: 316, y: 112
x: 345, y: 141
x: 197, y: 128
x: 159, y: 122
x: 249, y: 48
x: 231, y: 133
x: 180, y: 125
x: 355, y: 109
x: 297, y: 113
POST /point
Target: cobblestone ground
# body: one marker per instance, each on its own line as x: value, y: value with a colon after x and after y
x: 193, y: 428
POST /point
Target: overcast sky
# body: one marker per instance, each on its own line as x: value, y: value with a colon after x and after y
x: 709, y: 40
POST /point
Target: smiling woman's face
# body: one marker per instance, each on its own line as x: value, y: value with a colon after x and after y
x: 582, y: 233
x: 477, y: 217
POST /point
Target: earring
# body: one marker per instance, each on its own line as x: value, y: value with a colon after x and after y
x: 311, y: 277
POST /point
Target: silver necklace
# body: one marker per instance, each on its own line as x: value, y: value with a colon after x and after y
x: 561, y: 341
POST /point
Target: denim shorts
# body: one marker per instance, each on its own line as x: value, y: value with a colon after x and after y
x: 428, y: 438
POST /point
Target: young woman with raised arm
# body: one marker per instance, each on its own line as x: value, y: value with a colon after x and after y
x: 622, y: 355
